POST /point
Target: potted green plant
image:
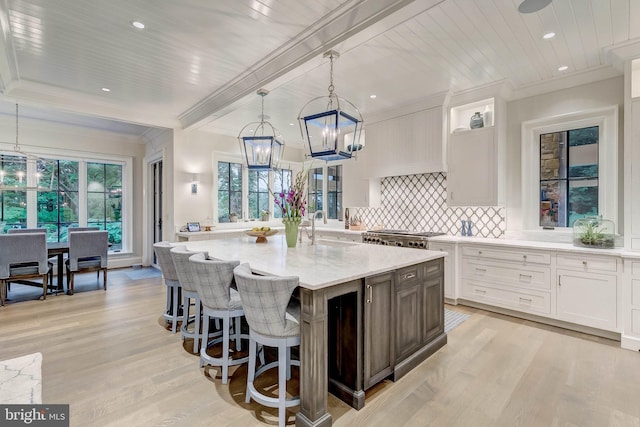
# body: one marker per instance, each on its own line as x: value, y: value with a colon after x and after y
x: 264, y: 215
x: 233, y: 217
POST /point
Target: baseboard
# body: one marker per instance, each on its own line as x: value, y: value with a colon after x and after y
x: 630, y: 343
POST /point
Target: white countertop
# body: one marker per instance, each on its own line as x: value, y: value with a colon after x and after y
x: 325, y: 264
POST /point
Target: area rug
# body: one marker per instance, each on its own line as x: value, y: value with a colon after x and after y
x: 452, y: 319
x: 143, y: 273
x: 21, y: 380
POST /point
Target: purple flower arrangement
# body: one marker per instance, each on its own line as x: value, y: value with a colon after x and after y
x: 292, y: 203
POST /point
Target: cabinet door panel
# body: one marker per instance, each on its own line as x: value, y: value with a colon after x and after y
x: 408, y: 320
x: 378, y: 325
x: 433, y: 307
x: 587, y: 299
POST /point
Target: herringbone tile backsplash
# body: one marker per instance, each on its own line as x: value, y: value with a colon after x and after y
x: 419, y: 203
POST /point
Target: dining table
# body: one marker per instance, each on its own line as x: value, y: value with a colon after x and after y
x: 58, y: 249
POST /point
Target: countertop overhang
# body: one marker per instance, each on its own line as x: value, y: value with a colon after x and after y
x: 318, y: 266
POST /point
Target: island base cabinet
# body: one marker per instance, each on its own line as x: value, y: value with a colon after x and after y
x: 409, y: 311
x: 378, y: 328
x: 588, y: 299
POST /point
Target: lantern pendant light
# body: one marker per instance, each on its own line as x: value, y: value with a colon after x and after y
x: 260, y: 145
x: 331, y: 126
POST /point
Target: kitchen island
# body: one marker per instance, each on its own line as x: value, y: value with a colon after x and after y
x: 368, y: 312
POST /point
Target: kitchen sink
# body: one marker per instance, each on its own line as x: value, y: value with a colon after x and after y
x: 337, y: 243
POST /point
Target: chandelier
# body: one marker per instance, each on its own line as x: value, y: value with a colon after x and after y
x: 260, y: 144
x: 20, y: 171
x: 331, y: 126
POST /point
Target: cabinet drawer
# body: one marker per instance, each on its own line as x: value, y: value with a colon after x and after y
x: 587, y: 263
x: 512, y: 275
x: 433, y: 268
x: 635, y: 293
x: 518, y: 300
x: 510, y: 255
x: 409, y: 275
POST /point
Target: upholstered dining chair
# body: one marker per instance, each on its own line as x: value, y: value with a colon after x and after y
x: 171, y: 281
x: 266, y: 301
x: 23, y: 256
x: 88, y: 251
x: 33, y: 230
x: 74, y: 229
x: 184, y: 271
x: 213, y: 279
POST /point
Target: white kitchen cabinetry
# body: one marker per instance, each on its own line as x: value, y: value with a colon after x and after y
x: 513, y: 278
x: 631, y: 306
x: 475, y: 156
x: 406, y: 145
x: 587, y: 292
x: 359, y: 188
x: 344, y: 235
x: 450, y: 292
x: 632, y: 180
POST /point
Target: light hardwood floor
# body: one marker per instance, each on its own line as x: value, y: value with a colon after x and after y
x: 110, y: 357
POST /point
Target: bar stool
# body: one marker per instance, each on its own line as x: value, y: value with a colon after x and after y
x: 165, y: 261
x: 265, y: 300
x: 213, y: 280
x: 184, y: 270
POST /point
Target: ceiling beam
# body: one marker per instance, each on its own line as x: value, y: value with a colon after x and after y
x: 332, y: 29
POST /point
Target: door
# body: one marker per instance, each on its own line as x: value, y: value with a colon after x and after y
x: 378, y: 328
x: 156, y: 169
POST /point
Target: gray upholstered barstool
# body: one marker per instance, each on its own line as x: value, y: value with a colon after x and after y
x: 213, y: 279
x: 184, y: 270
x: 165, y: 261
x: 265, y: 300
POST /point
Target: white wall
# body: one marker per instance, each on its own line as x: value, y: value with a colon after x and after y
x: 42, y: 137
x: 589, y: 96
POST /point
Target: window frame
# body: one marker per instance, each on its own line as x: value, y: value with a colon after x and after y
x: 606, y: 119
x: 127, y: 189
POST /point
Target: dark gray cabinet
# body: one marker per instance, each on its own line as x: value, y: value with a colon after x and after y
x: 379, y: 314
x: 419, y: 308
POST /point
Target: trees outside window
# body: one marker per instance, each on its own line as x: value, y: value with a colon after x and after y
x: 229, y: 190
x: 58, y: 208
x: 258, y: 192
x: 281, y: 182
x: 13, y: 203
x: 104, y: 200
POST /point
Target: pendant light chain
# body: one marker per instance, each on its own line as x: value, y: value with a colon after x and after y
x: 331, y: 87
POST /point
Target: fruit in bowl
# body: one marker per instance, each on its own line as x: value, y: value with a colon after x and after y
x: 261, y: 233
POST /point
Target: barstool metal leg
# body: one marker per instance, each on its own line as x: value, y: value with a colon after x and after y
x: 282, y: 385
x: 237, y: 332
x: 251, y: 372
x: 196, y: 326
x: 176, y: 303
x: 205, y: 337
x: 225, y: 348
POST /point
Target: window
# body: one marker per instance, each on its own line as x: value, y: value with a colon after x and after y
x: 281, y: 182
x: 229, y: 190
x: 326, y: 180
x: 104, y: 200
x: 568, y: 176
x: 316, y: 177
x: 13, y: 203
x: 570, y: 169
x: 58, y: 208
x: 258, y: 192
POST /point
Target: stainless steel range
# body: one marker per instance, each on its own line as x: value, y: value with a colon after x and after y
x: 402, y: 238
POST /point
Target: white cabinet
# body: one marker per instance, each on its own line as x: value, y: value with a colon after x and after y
x: 475, y: 156
x: 587, y: 290
x: 359, y: 189
x: 513, y: 278
x: 631, y: 306
x: 632, y: 180
x: 450, y: 292
x: 406, y: 145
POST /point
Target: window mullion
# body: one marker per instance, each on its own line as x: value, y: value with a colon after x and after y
x: 82, y: 193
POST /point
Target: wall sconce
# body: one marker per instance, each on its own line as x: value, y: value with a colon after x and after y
x: 195, y: 179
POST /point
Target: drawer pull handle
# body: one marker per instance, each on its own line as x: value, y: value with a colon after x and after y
x: 481, y: 291
x: 432, y: 269
x: 529, y: 300
x: 479, y: 252
x: 526, y: 276
x: 584, y: 262
x: 481, y: 270
x: 524, y: 257
x: 408, y: 276
x: 370, y: 294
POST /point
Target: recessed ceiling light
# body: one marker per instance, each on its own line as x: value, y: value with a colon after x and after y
x: 291, y: 124
x: 139, y: 25
x: 563, y: 68
x: 373, y: 96
x: 106, y: 89
x: 549, y: 35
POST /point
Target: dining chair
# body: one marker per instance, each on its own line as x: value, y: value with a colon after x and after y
x: 88, y: 251
x: 171, y: 281
x: 29, y: 231
x: 266, y: 301
x: 23, y: 256
x: 213, y: 279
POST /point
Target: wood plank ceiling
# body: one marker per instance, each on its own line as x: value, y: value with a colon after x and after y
x: 197, y: 63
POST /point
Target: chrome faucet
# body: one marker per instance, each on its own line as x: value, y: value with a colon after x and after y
x: 313, y: 224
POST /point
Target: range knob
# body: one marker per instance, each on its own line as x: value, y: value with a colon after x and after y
x: 422, y: 245
x: 398, y: 243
